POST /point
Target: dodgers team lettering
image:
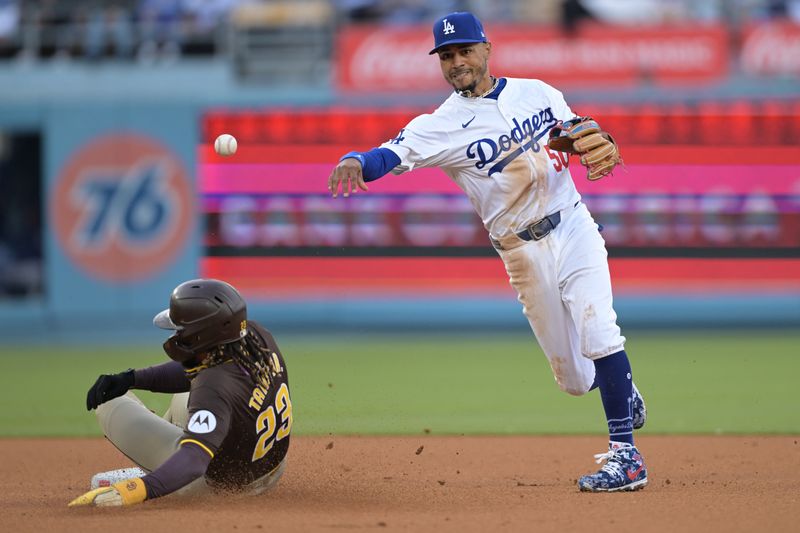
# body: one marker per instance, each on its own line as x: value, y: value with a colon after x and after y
x: 487, y: 150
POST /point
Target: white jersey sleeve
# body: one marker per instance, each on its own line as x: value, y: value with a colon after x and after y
x: 561, y: 111
x: 422, y: 143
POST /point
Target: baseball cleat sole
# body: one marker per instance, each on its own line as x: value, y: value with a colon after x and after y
x: 625, y: 488
x: 106, y: 479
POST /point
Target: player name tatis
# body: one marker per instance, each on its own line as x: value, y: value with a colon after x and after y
x: 259, y: 391
x: 257, y: 398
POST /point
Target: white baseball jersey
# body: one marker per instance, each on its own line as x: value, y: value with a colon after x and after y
x: 495, y: 151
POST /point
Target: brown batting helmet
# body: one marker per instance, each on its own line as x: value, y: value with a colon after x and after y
x: 204, y: 313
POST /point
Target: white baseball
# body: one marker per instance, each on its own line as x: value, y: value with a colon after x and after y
x: 225, y: 144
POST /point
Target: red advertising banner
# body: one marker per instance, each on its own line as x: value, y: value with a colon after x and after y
x: 772, y: 49
x: 381, y: 58
x: 713, y: 123
x: 312, y: 278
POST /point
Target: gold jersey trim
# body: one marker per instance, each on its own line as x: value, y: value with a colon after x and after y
x: 203, y: 446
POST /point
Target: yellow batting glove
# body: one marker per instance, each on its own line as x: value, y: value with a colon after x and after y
x: 128, y: 492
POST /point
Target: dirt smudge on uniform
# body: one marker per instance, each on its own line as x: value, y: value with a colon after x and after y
x: 557, y: 365
x: 524, y: 178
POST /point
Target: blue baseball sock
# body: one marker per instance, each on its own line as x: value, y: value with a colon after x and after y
x: 613, y: 376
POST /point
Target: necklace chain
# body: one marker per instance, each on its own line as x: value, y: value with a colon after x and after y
x: 468, y: 94
x: 492, y: 88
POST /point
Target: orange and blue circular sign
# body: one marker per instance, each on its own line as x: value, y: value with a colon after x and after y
x: 122, y: 207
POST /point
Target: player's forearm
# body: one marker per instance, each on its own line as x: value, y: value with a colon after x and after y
x: 375, y: 163
x: 184, y: 466
x: 167, y: 377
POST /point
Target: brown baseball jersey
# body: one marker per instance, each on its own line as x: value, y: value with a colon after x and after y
x: 244, y: 427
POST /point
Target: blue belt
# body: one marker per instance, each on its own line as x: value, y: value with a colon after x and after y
x: 538, y: 230
x: 541, y: 228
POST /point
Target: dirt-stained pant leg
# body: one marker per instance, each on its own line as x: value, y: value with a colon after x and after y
x: 532, y: 270
x: 586, y: 286
x: 146, y: 438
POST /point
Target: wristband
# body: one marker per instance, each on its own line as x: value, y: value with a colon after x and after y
x: 354, y: 155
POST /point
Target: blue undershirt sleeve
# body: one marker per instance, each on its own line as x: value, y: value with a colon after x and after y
x: 375, y: 163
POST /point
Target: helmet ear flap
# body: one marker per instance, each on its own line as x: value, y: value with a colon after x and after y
x: 176, y: 350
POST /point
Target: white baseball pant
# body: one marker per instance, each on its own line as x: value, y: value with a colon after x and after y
x: 564, y: 285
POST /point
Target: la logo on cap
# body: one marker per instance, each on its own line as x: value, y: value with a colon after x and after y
x: 448, y: 27
x: 457, y: 28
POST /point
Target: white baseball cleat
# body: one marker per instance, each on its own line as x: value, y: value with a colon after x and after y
x: 106, y: 479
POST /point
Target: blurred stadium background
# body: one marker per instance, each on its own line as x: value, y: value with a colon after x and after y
x: 112, y: 195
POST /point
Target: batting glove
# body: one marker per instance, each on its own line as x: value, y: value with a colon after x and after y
x: 127, y: 492
x: 107, y: 387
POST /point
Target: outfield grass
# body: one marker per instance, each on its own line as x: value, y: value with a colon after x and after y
x: 693, y: 382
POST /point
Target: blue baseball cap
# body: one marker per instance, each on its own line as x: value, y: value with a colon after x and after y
x: 457, y: 28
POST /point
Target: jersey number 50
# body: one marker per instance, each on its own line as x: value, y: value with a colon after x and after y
x: 560, y: 159
x: 267, y: 426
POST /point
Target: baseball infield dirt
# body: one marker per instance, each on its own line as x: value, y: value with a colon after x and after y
x: 432, y: 483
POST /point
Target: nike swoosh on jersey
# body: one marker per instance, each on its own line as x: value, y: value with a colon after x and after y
x: 464, y: 125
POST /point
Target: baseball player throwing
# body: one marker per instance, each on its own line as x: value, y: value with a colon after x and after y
x: 233, y: 434
x: 504, y: 141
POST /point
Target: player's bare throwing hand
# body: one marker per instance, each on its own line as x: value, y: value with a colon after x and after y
x: 347, y: 175
x: 506, y: 143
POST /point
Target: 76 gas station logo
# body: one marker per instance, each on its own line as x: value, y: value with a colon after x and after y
x: 122, y: 207
x: 134, y: 207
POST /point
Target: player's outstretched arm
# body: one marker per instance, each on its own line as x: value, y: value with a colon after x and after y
x: 349, y: 176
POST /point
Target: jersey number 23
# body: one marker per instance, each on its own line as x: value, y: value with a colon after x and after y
x: 267, y: 427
